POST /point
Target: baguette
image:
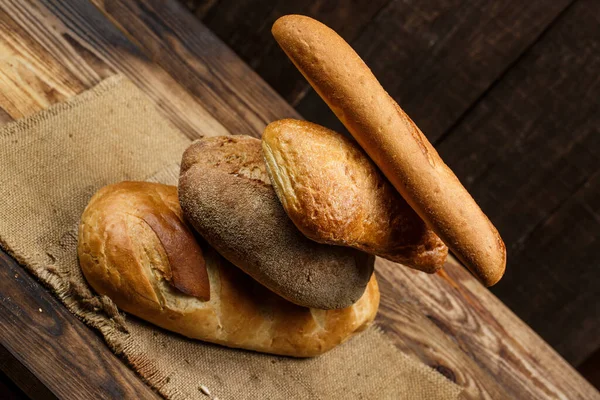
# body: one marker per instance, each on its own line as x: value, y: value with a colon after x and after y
x: 127, y: 259
x: 225, y: 192
x: 393, y: 142
x: 335, y: 194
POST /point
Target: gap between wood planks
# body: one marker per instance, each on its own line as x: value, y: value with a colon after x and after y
x: 380, y: 29
x: 438, y: 141
x: 465, y: 278
x: 528, y: 42
x: 527, y: 150
x: 523, y: 48
x: 50, y: 356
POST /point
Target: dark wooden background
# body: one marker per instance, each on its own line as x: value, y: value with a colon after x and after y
x: 506, y: 89
x: 509, y: 93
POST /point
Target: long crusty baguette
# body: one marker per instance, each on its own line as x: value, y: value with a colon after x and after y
x: 394, y: 142
x: 133, y: 261
x: 334, y: 194
x: 225, y: 192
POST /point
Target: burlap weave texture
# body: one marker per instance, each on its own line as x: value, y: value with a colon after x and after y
x: 52, y: 163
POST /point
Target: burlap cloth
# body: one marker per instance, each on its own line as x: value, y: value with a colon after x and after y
x: 52, y: 163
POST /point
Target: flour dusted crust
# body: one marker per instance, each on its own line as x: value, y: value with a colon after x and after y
x: 123, y: 258
x: 226, y: 194
x: 393, y: 142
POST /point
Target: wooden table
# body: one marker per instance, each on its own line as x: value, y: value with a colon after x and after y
x: 51, y: 50
x: 508, y: 91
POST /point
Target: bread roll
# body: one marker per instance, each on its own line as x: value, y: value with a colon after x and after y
x: 394, y: 142
x: 225, y: 193
x: 335, y: 194
x: 124, y: 258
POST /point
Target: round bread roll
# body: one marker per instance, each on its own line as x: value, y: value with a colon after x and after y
x: 335, y: 194
x: 393, y: 142
x: 226, y: 194
x: 126, y: 258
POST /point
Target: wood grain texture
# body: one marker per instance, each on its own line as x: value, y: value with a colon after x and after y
x: 62, y: 47
x: 62, y: 348
x: 436, y: 58
x: 448, y: 321
x: 246, y: 26
x: 32, y: 78
x: 452, y: 323
x: 200, y: 62
x: 530, y: 155
x: 200, y: 7
x: 439, y: 58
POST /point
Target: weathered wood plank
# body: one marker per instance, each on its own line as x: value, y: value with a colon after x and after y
x: 414, y: 329
x: 200, y: 7
x: 83, y: 48
x: 66, y: 356
x: 246, y: 27
x: 464, y: 327
x: 436, y: 57
x: 529, y: 146
x: 452, y: 323
x: 197, y: 60
x: 32, y: 79
x: 574, y: 298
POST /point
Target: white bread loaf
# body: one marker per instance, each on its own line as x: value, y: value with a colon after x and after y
x: 129, y: 260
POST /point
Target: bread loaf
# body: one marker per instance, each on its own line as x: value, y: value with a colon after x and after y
x: 335, y: 194
x: 393, y: 142
x: 124, y: 257
x: 226, y: 194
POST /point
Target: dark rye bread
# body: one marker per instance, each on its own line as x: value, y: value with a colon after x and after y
x: 134, y: 247
x: 226, y: 194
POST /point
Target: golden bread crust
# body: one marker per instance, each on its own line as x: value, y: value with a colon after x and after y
x: 335, y: 194
x: 122, y: 258
x: 393, y: 142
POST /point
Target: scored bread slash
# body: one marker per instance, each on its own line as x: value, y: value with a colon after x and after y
x: 393, y: 142
x: 188, y: 269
